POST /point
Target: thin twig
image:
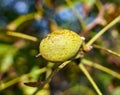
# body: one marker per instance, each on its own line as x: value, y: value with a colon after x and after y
x: 12, y: 82
x: 107, y: 50
x: 51, y: 75
x: 69, y: 2
x: 98, y: 4
x: 116, y: 20
x: 99, y: 20
x: 81, y: 66
x: 100, y: 67
x: 17, y: 22
x: 21, y: 35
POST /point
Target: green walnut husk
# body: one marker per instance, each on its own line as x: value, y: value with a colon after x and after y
x: 60, y: 45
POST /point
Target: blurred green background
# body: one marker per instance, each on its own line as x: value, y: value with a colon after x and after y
x: 18, y: 63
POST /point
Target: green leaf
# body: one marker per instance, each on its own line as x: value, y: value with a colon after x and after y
x: 6, y: 56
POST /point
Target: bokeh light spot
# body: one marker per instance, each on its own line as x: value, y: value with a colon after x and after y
x: 21, y: 7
